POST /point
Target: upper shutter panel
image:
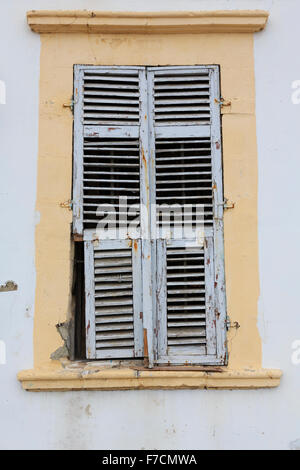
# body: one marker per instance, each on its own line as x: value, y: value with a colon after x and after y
x: 111, y: 97
x: 182, y: 115
x: 106, y: 145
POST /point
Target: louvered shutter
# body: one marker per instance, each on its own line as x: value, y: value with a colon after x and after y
x: 190, y: 295
x: 113, y: 298
x: 151, y: 135
x: 107, y: 140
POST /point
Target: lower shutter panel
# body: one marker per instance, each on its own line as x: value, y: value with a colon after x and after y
x: 113, y: 299
x: 185, y: 302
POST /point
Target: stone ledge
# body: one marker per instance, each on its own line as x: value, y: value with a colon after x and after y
x: 92, y: 378
x: 76, y: 21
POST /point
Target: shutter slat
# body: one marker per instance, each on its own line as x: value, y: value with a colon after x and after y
x: 173, y: 166
x: 105, y: 86
x: 111, y: 303
x: 111, y: 335
x: 162, y: 114
x: 113, y: 101
x: 105, y: 180
x: 181, y: 181
x: 186, y: 316
x: 177, y: 107
x: 177, y: 324
x: 119, y: 294
x: 109, y: 311
x: 110, y: 71
x: 113, y: 319
x: 188, y: 331
x: 186, y: 275
x: 114, y: 93
x: 186, y: 150
x: 113, y: 343
x: 110, y: 77
x: 177, y: 93
x: 126, y: 117
x: 111, y: 165
x: 169, y: 92
x: 183, y: 101
x: 111, y: 287
x: 110, y: 157
x: 115, y: 107
x: 183, y: 158
x: 181, y: 342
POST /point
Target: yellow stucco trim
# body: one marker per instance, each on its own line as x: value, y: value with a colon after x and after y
x: 44, y: 21
x: 87, y: 378
x: 54, y: 256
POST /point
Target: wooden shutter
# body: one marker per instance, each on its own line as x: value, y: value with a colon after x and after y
x: 107, y: 140
x: 151, y: 135
x: 190, y: 294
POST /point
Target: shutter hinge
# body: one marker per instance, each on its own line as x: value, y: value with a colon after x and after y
x: 227, y: 204
x: 67, y: 204
x: 70, y: 105
x: 230, y: 324
x: 222, y: 103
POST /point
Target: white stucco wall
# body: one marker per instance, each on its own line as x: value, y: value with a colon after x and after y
x: 154, y: 419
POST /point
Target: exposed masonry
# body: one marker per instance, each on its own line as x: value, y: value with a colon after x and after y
x: 64, y: 351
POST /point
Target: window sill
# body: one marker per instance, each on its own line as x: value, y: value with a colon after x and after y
x: 79, y: 377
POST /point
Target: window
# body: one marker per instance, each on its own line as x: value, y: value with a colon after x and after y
x: 148, y: 167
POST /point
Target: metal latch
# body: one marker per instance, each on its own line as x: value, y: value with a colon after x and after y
x: 230, y: 324
x: 228, y: 204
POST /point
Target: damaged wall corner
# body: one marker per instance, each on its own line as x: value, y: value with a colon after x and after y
x: 66, y: 350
